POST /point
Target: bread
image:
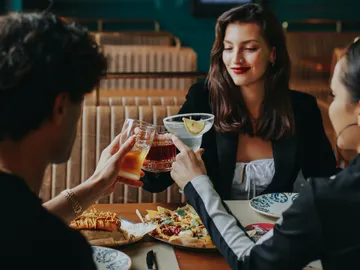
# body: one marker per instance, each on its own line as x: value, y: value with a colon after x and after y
x: 96, y: 220
x: 101, y: 228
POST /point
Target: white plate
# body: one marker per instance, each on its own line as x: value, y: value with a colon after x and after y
x: 273, y: 204
x: 110, y: 259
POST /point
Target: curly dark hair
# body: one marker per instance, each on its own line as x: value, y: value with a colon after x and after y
x: 42, y: 56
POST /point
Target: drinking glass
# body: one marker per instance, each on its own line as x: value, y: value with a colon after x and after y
x: 130, y: 166
x: 175, y: 125
x: 162, y: 152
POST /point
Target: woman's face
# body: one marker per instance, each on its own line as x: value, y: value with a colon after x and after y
x: 343, y: 112
x: 246, y: 54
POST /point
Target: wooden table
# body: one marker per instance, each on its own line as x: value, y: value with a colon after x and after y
x: 187, y: 259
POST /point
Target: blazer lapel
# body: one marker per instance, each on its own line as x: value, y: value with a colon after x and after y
x: 284, y: 152
x: 226, y: 148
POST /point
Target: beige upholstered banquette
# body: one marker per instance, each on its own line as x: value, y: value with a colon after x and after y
x: 97, y: 127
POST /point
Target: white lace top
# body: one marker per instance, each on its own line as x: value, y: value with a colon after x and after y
x: 252, y: 178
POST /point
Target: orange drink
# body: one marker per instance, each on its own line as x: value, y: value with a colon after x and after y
x: 130, y: 167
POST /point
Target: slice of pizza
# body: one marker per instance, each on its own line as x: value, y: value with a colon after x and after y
x: 182, y: 226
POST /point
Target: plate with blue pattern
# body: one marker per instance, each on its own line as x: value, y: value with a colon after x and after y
x: 273, y: 204
x: 110, y: 259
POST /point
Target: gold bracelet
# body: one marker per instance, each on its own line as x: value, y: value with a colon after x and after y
x: 71, y: 198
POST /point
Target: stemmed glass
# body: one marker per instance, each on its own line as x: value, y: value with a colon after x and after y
x: 175, y: 124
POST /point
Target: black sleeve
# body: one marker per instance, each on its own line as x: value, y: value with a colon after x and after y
x: 318, y: 157
x: 67, y: 243
x: 291, y: 245
x: 158, y: 182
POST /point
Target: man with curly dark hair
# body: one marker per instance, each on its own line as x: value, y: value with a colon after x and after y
x: 46, y: 67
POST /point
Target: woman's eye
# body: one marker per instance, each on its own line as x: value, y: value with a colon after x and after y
x: 251, y: 49
x: 227, y: 49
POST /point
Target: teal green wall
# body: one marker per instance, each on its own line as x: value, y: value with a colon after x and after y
x: 173, y: 15
x: 198, y: 33
x: 13, y: 5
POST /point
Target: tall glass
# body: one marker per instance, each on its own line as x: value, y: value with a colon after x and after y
x: 162, y: 152
x: 130, y: 166
x: 175, y: 125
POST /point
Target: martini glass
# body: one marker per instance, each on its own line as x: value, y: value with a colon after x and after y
x: 175, y: 125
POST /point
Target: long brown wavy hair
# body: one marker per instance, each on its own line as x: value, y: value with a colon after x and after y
x: 231, y: 114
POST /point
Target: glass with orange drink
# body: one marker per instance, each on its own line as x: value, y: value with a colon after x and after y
x: 130, y: 166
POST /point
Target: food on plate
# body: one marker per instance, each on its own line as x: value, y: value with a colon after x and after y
x: 101, y: 228
x: 182, y: 226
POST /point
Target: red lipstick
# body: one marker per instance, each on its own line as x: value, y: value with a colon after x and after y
x: 240, y: 70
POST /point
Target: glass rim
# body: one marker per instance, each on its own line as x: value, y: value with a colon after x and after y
x: 161, y: 129
x: 140, y: 122
x: 210, y: 116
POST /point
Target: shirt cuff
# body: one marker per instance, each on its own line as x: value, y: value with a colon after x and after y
x: 201, y: 179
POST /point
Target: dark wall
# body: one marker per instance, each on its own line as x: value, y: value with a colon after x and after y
x: 175, y: 16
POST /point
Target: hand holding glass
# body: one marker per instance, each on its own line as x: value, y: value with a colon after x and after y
x: 175, y: 124
x: 130, y: 166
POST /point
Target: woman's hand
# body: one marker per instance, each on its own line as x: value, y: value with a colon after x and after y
x: 188, y: 164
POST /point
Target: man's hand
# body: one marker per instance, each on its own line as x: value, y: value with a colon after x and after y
x: 107, y: 170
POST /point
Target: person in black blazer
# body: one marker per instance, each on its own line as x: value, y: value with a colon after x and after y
x: 257, y: 117
x: 316, y: 225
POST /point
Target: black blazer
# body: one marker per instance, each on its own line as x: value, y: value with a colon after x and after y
x: 311, y: 229
x: 308, y: 150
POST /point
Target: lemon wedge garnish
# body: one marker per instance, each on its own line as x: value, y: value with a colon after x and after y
x: 192, y: 126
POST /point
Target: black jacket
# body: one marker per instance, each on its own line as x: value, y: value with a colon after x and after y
x: 322, y: 223
x: 308, y: 150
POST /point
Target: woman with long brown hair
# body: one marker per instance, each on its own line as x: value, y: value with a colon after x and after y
x: 265, y: 136
x: 313, y: 227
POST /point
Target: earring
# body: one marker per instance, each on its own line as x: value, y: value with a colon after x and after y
x: 273, y: 64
